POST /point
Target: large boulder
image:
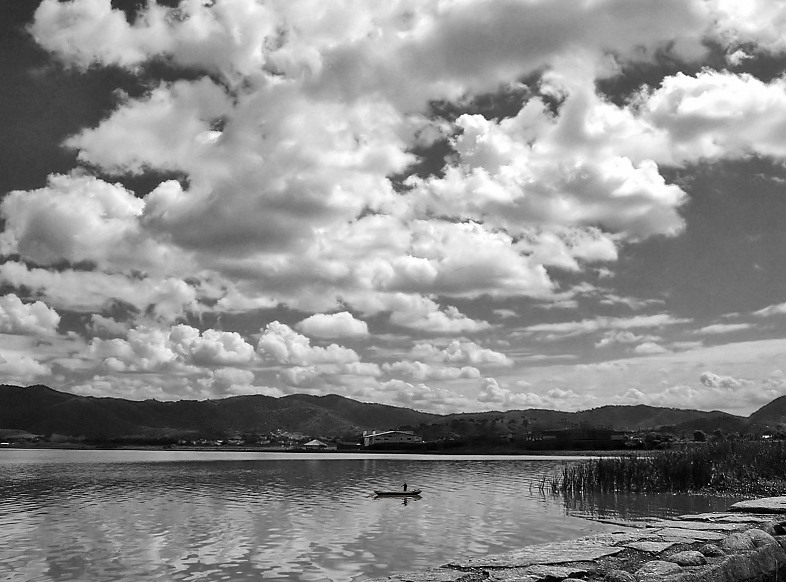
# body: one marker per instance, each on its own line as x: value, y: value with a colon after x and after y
x: 656, y: 569
x: 688, y: 558
x: 737, y: 542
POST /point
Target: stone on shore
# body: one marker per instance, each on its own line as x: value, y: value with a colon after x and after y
x: 583, y: 550
x: 680, y: 534
x: 737, y: 542
x: 651, y: 546
x: 688, y: 558
x: 764, y: 505
x: 619, y: 576
x: 743, y: 550
x: 656, y: 569
x: 438, y: 575
x: 711, y: 551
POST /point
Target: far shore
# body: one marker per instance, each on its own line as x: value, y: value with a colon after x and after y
x: 262, y: 449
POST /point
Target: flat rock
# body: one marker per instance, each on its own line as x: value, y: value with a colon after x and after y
x: 537, y: 573
x: 688, y: 558
x: 435, y: 575
x: 695, y: 525
x: 727, y: 518
x: 764, y: 505
x: 681, y: 535
x: 511, y: 575
x: 581, y: 550
x: 657, y: 569
x: 652, y: 546
x: 546, y: 572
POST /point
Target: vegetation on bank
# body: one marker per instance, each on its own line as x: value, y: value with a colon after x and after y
x: 722, y: 466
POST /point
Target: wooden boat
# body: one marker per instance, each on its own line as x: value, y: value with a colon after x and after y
x: 410, y: 493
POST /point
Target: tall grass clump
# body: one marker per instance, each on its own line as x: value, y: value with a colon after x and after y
x: 722, y: 466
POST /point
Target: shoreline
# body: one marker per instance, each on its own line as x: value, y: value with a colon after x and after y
x: 298, y: 450
x: 745, y: 544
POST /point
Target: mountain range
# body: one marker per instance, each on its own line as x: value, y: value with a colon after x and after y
x: 43, y: 411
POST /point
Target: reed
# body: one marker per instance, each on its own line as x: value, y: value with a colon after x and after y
x: 721, y: 466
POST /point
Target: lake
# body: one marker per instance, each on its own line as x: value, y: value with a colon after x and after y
x: 181, y: 516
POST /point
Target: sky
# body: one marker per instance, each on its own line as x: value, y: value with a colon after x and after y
x: 448, y: 205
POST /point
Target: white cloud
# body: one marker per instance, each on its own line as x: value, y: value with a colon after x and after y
x: 21, y: 368
x: 714, y: 381
x: 719, y: 328
x: 165, y: 130
x: 495, y: 396
x: 27, y: 319
x: 586, y: 326
x: 759, y: 22
x: 421, y: 372
x: 80, y: 218
x: 716, y: 115
x: 145, y: 349
x: 286, y: 346
x: 460, y: 352
x: 623, y: 337
x: 770, y: 310
x: 418, y: 396
x: 211, y: 347
x: 333, y: 325
x: 648, y: 348
x: 76, y: 290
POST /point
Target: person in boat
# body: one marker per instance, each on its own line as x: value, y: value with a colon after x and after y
x: 405, y: 487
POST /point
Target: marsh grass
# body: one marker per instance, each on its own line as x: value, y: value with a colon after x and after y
x: 753, y: 467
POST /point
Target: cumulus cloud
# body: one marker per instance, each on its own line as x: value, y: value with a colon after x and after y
x: 460, y: 352
x: 414, y: 311
x: 284, y: 345
x: 27, y: 319
x: 210, y: 347
x: 493, y: 395
x: 719, y: 328
x: 650, y: 348
x: 21, y: 368
x: 421, y: 372
x: 165, y: 298
x: 623, y: 337
x: 586, y: 326
x: 333, y: 325
x: 418, y: 396
x: 715, y: 381
x: 78, y: 218
x: 293, y: 127
x: 732, y: 394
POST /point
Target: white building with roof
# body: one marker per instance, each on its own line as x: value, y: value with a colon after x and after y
x: 390, y: 437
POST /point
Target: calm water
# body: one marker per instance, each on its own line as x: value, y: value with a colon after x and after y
x: 142, y: 515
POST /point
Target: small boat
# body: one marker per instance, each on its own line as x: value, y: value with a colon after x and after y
x: 411, y: 493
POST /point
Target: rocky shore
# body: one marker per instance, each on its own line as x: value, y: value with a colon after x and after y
x: 747, y: 543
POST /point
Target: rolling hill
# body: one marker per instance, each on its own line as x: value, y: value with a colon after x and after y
x: 42, y: 410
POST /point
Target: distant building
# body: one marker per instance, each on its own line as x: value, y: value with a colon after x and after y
x: 315, y: 444
x: 389, y: 437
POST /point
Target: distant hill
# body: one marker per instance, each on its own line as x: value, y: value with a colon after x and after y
x: 770, y: 415
x: 641, y: 416
x: 42, y: 410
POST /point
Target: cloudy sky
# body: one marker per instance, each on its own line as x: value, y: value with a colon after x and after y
x: 449, y: 205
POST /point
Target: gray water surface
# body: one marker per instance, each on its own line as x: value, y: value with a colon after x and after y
x: 150, y: 515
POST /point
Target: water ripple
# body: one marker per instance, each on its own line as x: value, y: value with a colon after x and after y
x: 141, y: 517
